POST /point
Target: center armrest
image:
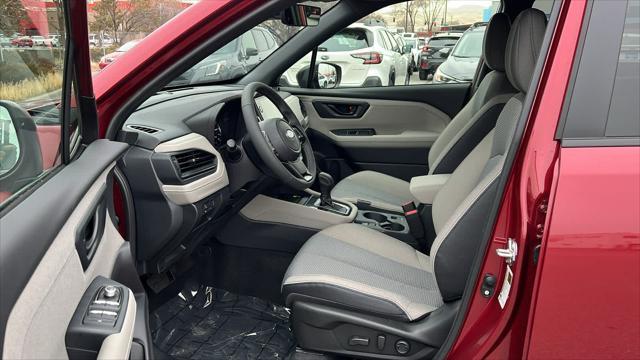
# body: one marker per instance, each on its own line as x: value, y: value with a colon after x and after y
x: 425, y: 188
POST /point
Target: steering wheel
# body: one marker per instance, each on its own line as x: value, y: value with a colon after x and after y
x: 281, y: 143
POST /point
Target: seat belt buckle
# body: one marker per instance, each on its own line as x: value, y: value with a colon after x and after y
x: 413, y: 220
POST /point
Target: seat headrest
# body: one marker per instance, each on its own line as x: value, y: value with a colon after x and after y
x: 523, y: 47
x: 495, y: 41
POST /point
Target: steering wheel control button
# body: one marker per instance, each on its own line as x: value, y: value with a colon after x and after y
x: 402, y: 347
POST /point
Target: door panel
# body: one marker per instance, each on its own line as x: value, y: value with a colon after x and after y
x: 387, y: 129
x: 42, y: 273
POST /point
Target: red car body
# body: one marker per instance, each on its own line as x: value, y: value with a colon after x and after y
x: 22, y: 41
x: 579, y: 298
x: 109, y: 58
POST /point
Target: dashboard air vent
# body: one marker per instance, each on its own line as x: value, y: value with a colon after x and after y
x: 191, y: 163
x: 144, y: 129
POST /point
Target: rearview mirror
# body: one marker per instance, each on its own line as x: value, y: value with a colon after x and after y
x: 301, y: 15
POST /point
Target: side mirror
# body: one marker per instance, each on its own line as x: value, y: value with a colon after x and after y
x: 326, y: 76
x: 407, y: 49
x: 249, y: 52
x: 301, y: 15
x: 9, y: 143
x: 20, y: 157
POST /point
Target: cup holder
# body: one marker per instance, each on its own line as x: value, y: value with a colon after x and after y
x: 384, y: 221
x: 376, y: 216
x: 392, y: 226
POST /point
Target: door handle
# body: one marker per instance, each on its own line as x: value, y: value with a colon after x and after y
x: 90, y: 231
x: 340, y: 109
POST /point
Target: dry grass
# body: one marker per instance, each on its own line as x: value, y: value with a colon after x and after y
x: 30, y: 88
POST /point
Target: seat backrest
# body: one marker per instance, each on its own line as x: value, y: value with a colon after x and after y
x: 479, y: 115
x: 460, y: 209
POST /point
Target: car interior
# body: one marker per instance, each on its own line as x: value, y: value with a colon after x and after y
x: 253, y: 220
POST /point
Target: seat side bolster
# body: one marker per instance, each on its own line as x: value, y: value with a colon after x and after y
x: 343, y: 291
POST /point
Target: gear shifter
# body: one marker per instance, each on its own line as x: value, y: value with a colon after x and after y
x: 326, y: 185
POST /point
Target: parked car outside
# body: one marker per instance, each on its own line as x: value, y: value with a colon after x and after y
x: 5, y: 41
x: 232, y: 60
x: 54, y: 40
x: 463, y: 60
x: 435, y: 52
x: 39, y: 40
x: 96, y: 40
x: 111, y: 57
x: 405, y: 51
x: 366, y: 55
x: 22, y: 41
x: 416, y: 47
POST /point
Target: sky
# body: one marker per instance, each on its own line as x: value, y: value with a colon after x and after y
x: 458, y: 3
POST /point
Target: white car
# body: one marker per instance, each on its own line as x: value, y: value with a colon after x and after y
x: 406, y: 52
x: 367, y: 55
x: 53, y: 40
x: 39, y: 40
x: 416, y: 47
x: 94, y: 40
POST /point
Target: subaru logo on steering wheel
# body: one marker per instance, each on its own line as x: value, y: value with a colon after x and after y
x: 290, y: 134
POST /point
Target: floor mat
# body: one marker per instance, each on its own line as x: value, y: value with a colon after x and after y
x: 215, y: 324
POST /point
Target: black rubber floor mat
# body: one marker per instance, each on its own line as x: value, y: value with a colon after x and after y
x: 216, y: 324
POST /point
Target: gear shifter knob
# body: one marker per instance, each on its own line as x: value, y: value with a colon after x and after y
x: 326, y: 183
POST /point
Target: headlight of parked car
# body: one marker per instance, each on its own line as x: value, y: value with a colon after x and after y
x: 439, y: 76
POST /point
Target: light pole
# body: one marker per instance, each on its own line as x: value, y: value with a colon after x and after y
x: 406, y: 17
x: 444, y: 20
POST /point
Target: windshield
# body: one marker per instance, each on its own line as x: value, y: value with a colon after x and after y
x: 470, y: 45
x: 242, y: 54
x: 443, y: 41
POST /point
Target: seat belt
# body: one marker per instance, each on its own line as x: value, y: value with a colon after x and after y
x: 416, y: 228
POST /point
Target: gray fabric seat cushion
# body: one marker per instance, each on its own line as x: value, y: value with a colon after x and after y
x: 357, y: 268
x: 382, y: 191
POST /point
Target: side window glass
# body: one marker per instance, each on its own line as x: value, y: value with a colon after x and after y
x: 624, y: 111
x: 32, y: 61
x: 371, y: 52
x: 261, y: 41
x: 270, y: 42
x: 248, y: 41
x: 384, y: 41
x: 392, y: 41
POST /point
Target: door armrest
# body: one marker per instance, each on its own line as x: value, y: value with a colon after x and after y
x: 425, y: 188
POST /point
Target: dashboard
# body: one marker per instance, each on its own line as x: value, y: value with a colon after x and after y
x: 190, y: 167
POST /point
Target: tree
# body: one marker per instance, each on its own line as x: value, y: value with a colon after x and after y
x: 431, y: 10
x: 120, y: 17
x: 406, y: 14
x: 12, y: 14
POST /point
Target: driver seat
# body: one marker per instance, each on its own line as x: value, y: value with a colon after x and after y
x: 455, y: 142
x: 358, y: 292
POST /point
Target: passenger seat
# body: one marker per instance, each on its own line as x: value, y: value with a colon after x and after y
x: 461, y: 135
